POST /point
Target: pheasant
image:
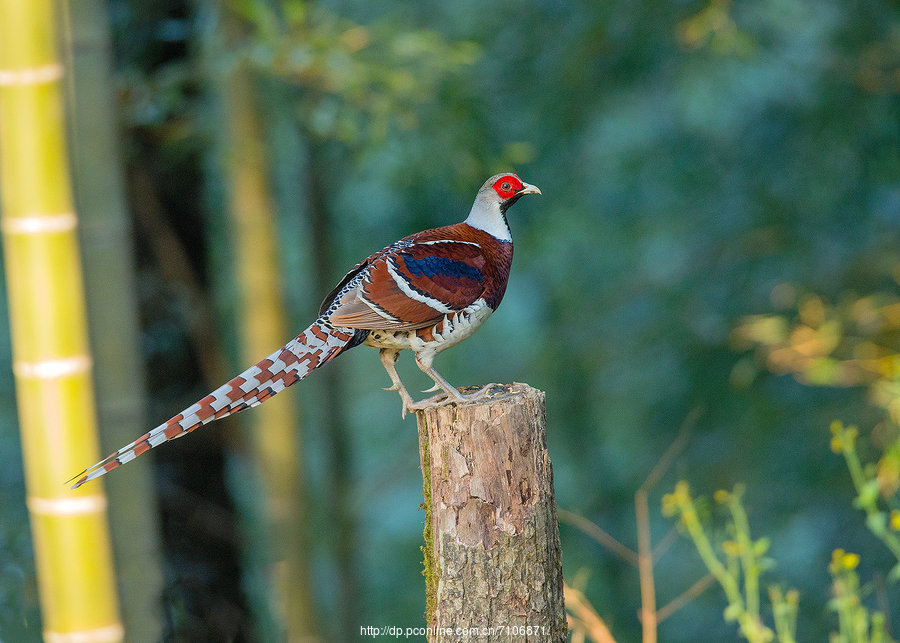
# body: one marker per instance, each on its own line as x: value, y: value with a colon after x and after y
x: 425, y: 292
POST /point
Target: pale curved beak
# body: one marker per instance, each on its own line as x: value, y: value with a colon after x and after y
x: 528, y: 189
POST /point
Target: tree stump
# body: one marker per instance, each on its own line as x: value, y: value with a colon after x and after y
x: 493, y: 567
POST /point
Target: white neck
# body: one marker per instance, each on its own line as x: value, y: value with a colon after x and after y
x: 488, y: 217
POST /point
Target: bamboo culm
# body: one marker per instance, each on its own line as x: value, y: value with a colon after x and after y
x: 51, y: 361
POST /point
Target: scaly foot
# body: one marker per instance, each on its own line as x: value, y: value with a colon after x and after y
x: 451, y: 396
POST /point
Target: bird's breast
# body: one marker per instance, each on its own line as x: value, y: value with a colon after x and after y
x: 451, y: 329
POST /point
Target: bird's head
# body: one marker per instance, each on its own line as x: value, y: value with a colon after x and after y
x: 507, y: 189
x: 493, y: 200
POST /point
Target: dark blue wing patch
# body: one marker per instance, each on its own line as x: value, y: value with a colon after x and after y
x: 431, y: 267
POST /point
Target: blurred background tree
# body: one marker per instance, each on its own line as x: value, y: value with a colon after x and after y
x: 701, y: 161
x: 108, y: 261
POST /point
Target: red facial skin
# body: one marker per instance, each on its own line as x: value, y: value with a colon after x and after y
x: 507, y: 186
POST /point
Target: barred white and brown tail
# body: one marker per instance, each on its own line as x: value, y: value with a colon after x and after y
x: 313, y: 347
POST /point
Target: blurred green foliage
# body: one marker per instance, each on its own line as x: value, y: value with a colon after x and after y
x: 736, y: 563
x: 856, y: 623
x: 710, y: 171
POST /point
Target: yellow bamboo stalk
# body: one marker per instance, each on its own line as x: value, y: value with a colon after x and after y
x: 51, y: 361
x: 263, y: 327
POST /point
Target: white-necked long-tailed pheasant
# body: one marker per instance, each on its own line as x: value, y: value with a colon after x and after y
x: 424, y: 293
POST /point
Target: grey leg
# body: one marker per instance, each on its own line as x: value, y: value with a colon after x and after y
x: 388, y: 360
x: 440, y: 383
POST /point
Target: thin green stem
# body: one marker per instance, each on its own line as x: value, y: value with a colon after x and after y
x: 727, y: 576
x: 705, y: 549
x: 748, y: 558
x: 784, y: 611
x: 868, y: 501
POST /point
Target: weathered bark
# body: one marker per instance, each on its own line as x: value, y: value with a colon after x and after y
x: 492, y: 556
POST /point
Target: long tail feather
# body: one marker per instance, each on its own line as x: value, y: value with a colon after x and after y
x: 315, y: 346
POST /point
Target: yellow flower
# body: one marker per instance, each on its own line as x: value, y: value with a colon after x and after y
x: 669, y: 505
x: 850, y: 561
x: 837, y: 444
x: 895, y: 520
x: 836, y: 557
x: 721, y: 496
x: 731, y: 549
x: 843, y: 438
x: 673, y: 503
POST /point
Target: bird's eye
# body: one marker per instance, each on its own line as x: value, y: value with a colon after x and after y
x: 506, y: 187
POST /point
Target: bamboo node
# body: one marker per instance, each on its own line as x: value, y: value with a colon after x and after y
x: 39, y: 223
x: 66, y: 506
x: 31, y: 76
x: 53, y: 368
x: 107, y: 634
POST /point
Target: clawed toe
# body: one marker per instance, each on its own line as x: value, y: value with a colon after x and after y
x: 407, y: 404
x: 477, y: 395
x: 443, y: 398
x: 435, y: 400
x: 468, y: 397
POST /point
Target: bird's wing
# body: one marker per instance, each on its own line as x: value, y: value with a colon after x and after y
x: 413, y: 285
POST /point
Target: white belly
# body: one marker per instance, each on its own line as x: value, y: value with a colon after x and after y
x: 455, y: 328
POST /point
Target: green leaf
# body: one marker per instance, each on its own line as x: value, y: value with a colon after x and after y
x: 868, y: 495
x: 877, y: 523
x: 894, y: 575
x: 733, y: 612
